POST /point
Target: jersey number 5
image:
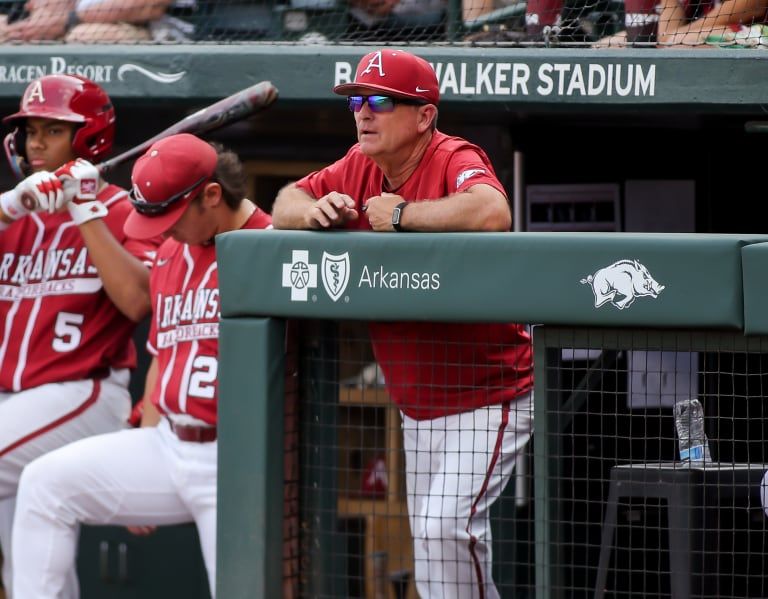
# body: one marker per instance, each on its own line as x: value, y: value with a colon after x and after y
x: 202, y: 383
x: 67, y: 331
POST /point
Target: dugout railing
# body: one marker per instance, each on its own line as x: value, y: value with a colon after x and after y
x: 626, y: 324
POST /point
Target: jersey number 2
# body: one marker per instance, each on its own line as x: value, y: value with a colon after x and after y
x: 67, y: 331
x: 203, y: 380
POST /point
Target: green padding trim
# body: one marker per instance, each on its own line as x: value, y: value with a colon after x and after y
x: 523, y: 277
x: 755, y: 266
x: 250, y: 476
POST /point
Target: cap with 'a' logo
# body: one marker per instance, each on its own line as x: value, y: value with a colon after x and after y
x: 165, y: 180
x: 394, y: 73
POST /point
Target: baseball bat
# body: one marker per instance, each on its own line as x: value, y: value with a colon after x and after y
x: 228, y: 110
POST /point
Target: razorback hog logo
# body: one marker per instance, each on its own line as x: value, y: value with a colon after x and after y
x: 621, y: 282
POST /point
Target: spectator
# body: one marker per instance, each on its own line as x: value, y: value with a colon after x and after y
x: 686, y: 23
x: 126, y: 21
x: 547, y: 22
x: 396, y: 20
x: 94, y: 21
x: 65, y: 323
x: 464, y: 390
x: 165, y: 471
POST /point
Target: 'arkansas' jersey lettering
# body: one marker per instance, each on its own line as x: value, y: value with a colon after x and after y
x: 184, y: 335
x: 56, y: 321
x: 44, y: 265
x: 195, y: 304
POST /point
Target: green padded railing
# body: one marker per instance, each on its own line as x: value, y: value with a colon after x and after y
x: 610, y: 281
x: 549, y: 278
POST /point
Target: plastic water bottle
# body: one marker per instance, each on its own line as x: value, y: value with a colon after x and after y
x: 689, y: 422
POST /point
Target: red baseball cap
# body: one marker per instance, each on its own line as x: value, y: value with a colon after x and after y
x: 394, y: 73
x: 165, y: 180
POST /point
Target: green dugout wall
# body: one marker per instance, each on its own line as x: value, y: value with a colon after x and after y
x: 601, y: 290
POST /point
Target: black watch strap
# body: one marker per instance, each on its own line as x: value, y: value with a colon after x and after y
x: 397, y: 214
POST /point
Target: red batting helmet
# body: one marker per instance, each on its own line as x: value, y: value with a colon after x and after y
x: 73, y: 99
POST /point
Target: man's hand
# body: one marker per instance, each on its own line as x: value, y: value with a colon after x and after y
x: 41, y: 191
x: 379, y: 210
x: 331, y: 210
x: 81, y: 183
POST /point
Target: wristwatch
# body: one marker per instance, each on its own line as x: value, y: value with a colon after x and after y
x: 397, y: 214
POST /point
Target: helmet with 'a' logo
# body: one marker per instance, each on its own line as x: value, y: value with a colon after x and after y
x: 73, y: 99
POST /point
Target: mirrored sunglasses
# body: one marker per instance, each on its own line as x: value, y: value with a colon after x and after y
x: 156, y: 208
x: 379, y: 103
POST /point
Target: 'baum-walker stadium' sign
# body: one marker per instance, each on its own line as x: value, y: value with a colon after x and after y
x: 631, y: 78
x: 545, y: 79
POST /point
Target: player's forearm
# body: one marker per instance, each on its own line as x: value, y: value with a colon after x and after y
x: 482, y: 208
x: 291, y: 208
x: 125, y: 278
x: 150, y: 415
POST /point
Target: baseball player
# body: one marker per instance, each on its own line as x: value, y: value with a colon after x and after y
x: 71, y: 284
x: 464, y: 390
x: 189, y: 191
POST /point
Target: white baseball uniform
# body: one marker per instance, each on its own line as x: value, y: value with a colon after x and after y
x: 65, y: 349
x: 147, y: 476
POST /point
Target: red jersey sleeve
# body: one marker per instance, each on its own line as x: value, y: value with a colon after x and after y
x: 324, y: 181
x: 470, y: 166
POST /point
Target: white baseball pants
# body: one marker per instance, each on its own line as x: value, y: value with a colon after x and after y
x: 456, y: 467
x: 135, y: 477
x: 39, y: 420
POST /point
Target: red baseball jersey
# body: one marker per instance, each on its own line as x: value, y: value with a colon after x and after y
x: 56, y: 321
x: 436, y: 369
x: 184, y: 335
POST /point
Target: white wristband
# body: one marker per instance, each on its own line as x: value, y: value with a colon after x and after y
x: 86, y: 211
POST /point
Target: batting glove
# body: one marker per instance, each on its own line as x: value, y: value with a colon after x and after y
x: 81, y: 183
x: 40, y: 191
